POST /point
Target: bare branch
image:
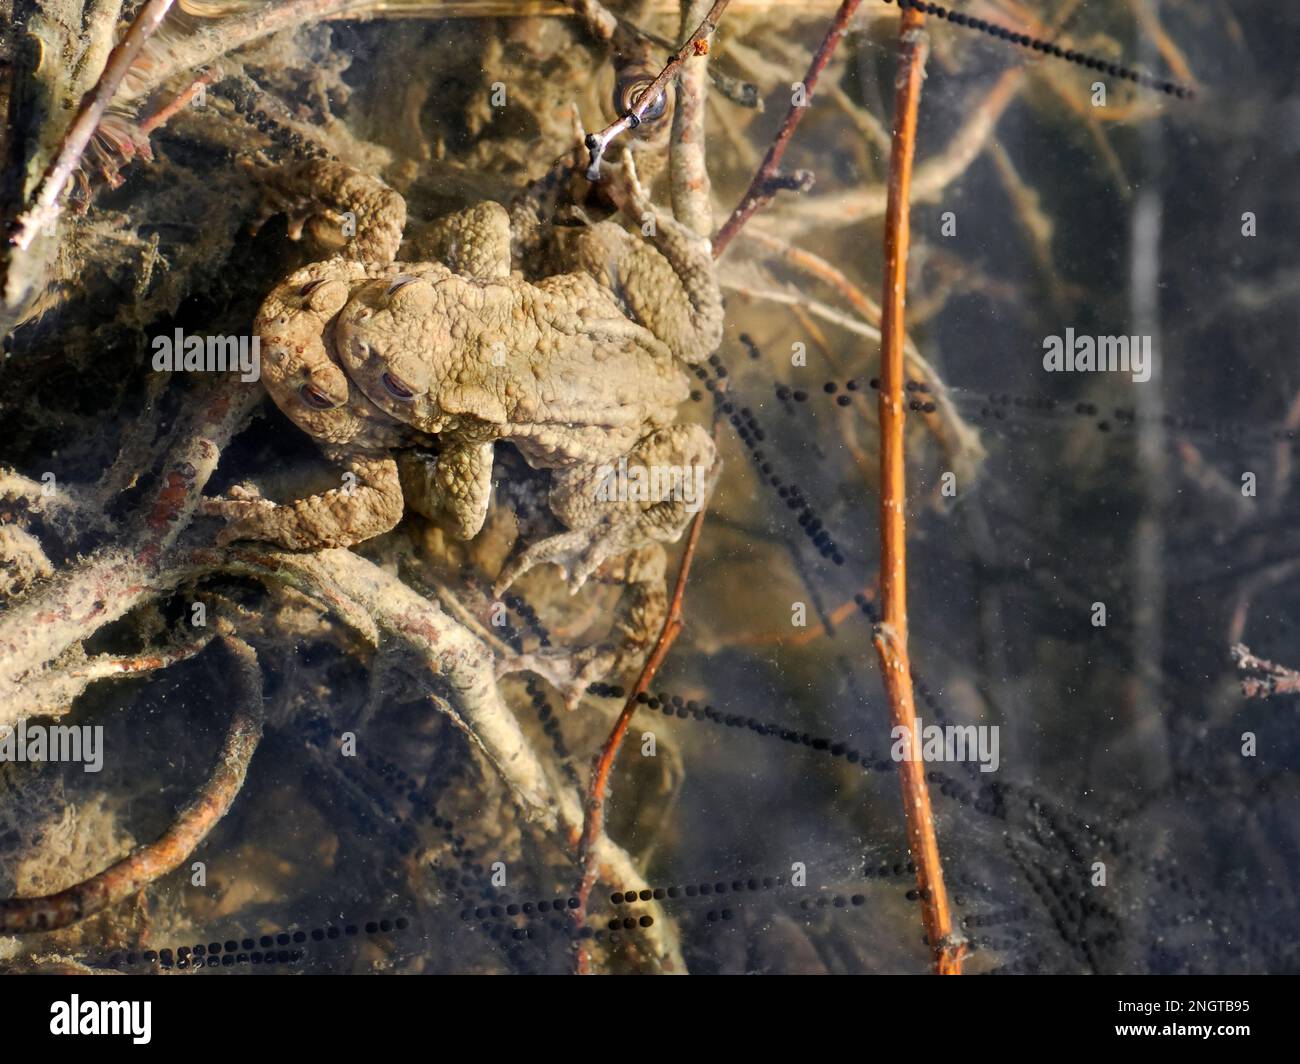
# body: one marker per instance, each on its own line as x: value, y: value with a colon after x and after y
x: 44, y: 208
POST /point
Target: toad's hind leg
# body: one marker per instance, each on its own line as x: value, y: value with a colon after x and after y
x: 649, y: 496
x: 347, y: 212
x: 665, y: 277
x: 453, y: 488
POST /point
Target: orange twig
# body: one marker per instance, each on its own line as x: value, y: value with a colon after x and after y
x: 597, y: 791
x: 891, y: 634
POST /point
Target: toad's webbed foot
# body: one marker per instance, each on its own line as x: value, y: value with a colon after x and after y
x: 571, y: 672
x: 642, y: 608
x: 578, y: 553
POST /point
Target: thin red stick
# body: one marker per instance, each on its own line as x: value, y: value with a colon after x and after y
x: 766, y: 181
x: 597, y: 791
x: 191, y: 827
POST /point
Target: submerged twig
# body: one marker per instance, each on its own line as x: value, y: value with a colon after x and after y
x: 691, y: 189
x: 191, y: 827
x: 54, y: 692
x: 39, y: 627
x: 599, y: 20
x: 696, y: 44
x: 891, y: 633
x: 44, y: 209
x: 768, y: 181
x: 1261, y: 678
x: 598, y: 789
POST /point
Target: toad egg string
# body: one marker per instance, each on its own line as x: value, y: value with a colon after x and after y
x: 990, y: 799
x: 1047, y: 48
x: 250, y: 950
x: 999, y: 407
x: 751, y: 435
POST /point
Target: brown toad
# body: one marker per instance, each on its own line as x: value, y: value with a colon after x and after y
x: 580, y: 371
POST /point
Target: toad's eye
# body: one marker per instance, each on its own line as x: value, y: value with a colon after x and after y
x: 315, y: 398
x: 628, y: 91
x: 396, y: 388
x: 400, y: 283
x: 310, y: 287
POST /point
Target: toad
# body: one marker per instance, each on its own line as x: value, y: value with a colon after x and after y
x: 581, y: 371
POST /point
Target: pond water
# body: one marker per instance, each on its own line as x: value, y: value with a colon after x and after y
x: 1103, y: 406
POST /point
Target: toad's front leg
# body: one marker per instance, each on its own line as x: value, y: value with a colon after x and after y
x: 368, y: 504
x: 453, y: 488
